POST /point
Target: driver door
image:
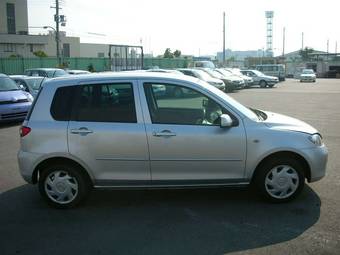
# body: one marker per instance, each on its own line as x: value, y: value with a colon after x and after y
x: 186, y: 143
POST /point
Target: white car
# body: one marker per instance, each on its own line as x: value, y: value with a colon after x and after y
x: 307, y: 75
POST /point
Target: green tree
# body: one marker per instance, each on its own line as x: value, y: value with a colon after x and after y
x: 177, y: 53
x: 305, y: 53
x: 40, y: 54
x: 168, y: 53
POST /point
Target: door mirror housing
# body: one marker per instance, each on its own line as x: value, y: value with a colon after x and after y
x: 226, y: 121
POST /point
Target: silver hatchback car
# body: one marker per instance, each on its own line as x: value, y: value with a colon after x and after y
x: 115, y: 130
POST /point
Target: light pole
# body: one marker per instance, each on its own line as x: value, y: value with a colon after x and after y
x: 57, y: 42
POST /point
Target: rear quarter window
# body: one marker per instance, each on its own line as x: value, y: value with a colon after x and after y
x: 61, y: 106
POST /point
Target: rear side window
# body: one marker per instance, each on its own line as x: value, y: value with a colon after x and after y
x: 61, y: 107
x: 106, y: 103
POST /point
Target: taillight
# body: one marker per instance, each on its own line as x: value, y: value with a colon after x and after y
x: 24, y: 131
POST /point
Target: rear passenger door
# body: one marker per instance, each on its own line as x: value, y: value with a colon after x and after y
x: 107, y: 132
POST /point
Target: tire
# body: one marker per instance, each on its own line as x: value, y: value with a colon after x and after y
x: 73, y: 187
x: 263, y: 84
x: 282, y: 188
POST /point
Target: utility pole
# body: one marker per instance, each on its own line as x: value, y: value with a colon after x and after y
x: 223, y: 38
x: 57, y: 39
x: 283, y: 42
x: 302, y: 41
x: 336, y: 47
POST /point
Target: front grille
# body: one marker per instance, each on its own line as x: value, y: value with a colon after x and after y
x: 13, y: 115
x: 14, y: 102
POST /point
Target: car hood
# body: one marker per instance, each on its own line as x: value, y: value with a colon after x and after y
x: 307, y: 75
x: 283, y: 122
x: 14, y: 95
x: 214, y: 80
x: 269, y: 77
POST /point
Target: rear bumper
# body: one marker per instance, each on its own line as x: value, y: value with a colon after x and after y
x: 26, y: 161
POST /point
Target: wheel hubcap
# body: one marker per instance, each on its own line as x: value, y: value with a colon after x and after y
x: 60, y: 187
x: 282, y: 181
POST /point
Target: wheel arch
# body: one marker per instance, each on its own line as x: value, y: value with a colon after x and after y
x: 282, y: 154
x: 59, y: 160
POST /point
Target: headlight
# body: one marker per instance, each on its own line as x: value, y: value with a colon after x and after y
x: 30, y: 98
x: 316, y: 139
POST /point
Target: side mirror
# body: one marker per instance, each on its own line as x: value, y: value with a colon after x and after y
x: 22, y: 87
x: 226, y: 121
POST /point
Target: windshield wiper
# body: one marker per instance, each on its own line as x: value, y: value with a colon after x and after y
x: 261, y: 115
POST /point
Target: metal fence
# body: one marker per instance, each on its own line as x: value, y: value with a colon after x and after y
x: 19, y: 65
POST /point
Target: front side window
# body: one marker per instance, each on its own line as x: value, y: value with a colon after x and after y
x: 181, y: 105
x: 106, y: 103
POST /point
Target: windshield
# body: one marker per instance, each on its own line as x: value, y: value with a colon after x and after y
x: 260, y: 114
x: 213, y: 73
x: 235, y: 104
x: 308, y: 71
x: 237, y: 72
x: 204, y: 76
x: 7, y: 84
x: 224, y: 72
x: 35, y: 83
x: 258, y: 73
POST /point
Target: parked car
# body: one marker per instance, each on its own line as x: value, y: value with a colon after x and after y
x: 14, y: 103
x: 307, y: 75
x: 204, y: 64
x: 248, y: 81
x: 204, y: 77
x: 235, y: 81
x: 260, y: 78
x: 28, y: 83
x: 80, y: 136
x: 77, y: 72
x: 276, y: 70
x: 231, y: 83
x: 159, y: 70
x: 46, y: 72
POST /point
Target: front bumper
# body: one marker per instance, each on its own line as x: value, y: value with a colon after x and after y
x: 317, y: 159
x: 12, y: 112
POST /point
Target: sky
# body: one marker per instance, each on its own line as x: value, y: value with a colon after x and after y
x: 195, y: 27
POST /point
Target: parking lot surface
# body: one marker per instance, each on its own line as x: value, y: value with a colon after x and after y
x: 204, y: 221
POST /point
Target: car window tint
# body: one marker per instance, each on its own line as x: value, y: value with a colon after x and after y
x: 172, y: 104
x: 106, y: 103
x: 61, y: 107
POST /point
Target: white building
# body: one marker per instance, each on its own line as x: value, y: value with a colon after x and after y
x: 16, y: 41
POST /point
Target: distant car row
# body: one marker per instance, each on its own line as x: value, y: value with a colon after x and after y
x: 226, y: 79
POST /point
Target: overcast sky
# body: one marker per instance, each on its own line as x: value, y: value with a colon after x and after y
x: 195, y: 27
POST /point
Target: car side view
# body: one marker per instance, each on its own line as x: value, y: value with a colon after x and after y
x: 115, y: 130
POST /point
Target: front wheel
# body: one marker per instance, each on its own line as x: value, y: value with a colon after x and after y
x: 63, y: 186
x: 263, y: 84
x: 280, y: 180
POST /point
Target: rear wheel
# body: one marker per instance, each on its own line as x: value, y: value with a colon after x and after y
x: 280, y: 179
x: 63, y: 186
x: 263, y: 84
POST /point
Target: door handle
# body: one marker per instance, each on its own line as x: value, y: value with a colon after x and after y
x: 164, y: 133
x: 81, y: 131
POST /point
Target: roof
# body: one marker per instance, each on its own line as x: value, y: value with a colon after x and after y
x: 134, y: 75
